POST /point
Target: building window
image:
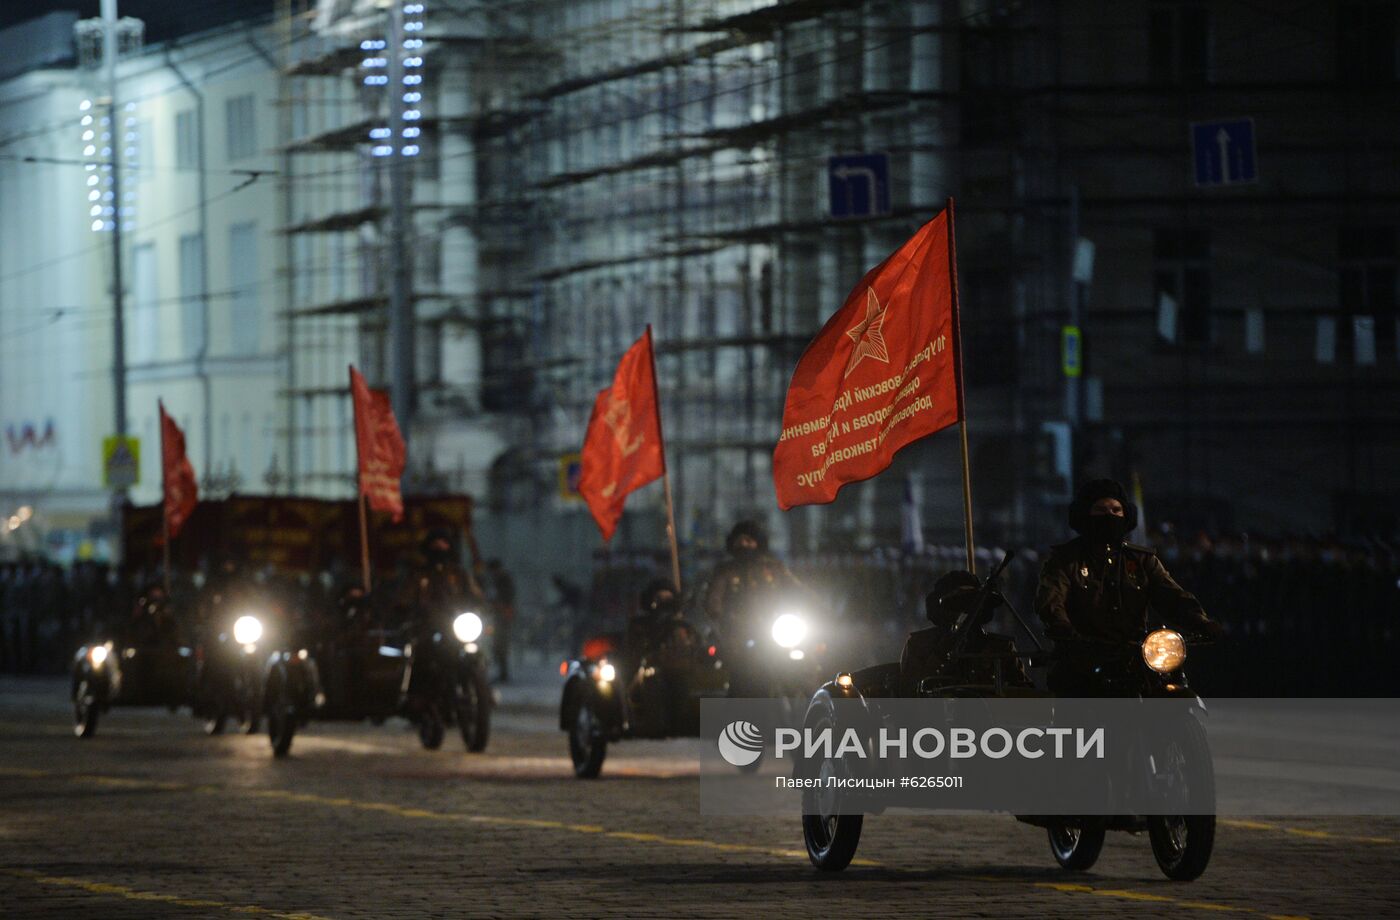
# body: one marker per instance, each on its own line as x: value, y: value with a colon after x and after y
x: 1366, y: 42
x: 1366, y: 274
x: 242, y: 132
x: 191, y: 293
x: 186, y: 140
x: 1178, y: 44
x: 1182, y: 272
x: 246, y: 312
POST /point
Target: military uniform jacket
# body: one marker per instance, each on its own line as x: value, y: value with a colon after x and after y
x: 1113, y: 593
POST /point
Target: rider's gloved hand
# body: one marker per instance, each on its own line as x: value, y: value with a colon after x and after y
x: 1212, y: 629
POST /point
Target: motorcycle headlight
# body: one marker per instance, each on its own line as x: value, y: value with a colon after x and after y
x: 606, y: 673
x: 97, y: 654
x: 247, y: 629
x: 789, y: 629
x: 1164, y: 650
x: 467, y: 626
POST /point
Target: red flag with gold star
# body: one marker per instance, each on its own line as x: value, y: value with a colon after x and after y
x: 622, y: 448
x: 881, y: 374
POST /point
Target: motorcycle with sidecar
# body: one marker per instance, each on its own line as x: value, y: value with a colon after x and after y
x: 648, y: 688
x: 958, y: 659
x: 230, y: 665
x: 431, y: 671
x: 143, y: 664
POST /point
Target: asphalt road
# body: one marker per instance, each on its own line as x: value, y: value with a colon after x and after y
x: 151, y: 819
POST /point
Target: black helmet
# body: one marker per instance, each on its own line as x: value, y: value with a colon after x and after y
x: 651, y: 600
x: 747, y: 528
x: 433, y: 544
x: 1093, y: 490
x: 953, y: 594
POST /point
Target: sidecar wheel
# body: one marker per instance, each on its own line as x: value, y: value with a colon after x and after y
x: 1076, y: 845
x: 84, y: 711
x: 431, y: 729
x: 587, y: 746
x: 1182, y: 844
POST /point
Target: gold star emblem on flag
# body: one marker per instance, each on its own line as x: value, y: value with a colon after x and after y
x: 868, y: 334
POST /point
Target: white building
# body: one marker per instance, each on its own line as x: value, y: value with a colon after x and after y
x: 203, y: 264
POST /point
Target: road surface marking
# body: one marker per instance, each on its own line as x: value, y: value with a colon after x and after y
x: 628, y: 836
x: 131, y: 894
x: 1306, y: 832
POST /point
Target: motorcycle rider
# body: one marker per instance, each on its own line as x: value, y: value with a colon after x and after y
x: 657, y: 604
x: 441, y: 585
x: 1098, y: 587
x: 743, y: 592
x: 748, y: 576
x: 151, y: 622
x: 659, y: 695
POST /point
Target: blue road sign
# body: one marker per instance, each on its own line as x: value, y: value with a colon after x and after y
x: 1223, y: 152
x: 860, y: 184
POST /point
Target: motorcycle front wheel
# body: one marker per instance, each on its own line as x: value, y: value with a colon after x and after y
x: 281, y: 718
x: 474, y: 710
x: 214, y: 722
x: 1182, y: 844
x: 1076, y: 844
x: 84, y: 711
x: 587, y: 746
x: 431, y: 729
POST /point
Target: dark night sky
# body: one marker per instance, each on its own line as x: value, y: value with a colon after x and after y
x: 164, y: 18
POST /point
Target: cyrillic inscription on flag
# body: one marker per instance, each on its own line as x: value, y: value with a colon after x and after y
x: 880, y: 374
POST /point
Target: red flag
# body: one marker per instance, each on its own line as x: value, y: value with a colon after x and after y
x: 379, y: 447
x: 177, y: 482
x: 622, y: 449
x: 881, y: 374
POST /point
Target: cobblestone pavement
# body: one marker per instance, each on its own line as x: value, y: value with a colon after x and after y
x: 153, y: 820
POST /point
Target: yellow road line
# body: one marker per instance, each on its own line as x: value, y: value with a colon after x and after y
x: 660, y: 839
x: 1311, y: 833
x: 107, y: 889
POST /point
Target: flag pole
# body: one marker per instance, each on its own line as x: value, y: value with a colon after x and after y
x: 665, y: 472
x: 962, y: 399
x: 164, y: 505
x: 360, y: 491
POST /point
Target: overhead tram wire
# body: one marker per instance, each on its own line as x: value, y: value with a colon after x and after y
x: 49, y: 263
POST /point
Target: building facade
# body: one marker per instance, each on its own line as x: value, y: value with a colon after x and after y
x: 202, y: 271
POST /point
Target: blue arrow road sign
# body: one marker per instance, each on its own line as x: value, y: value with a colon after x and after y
x: 860, y: 185
x: 1223, y: 152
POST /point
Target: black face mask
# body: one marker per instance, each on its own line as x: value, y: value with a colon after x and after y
x: 1106, y: 529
